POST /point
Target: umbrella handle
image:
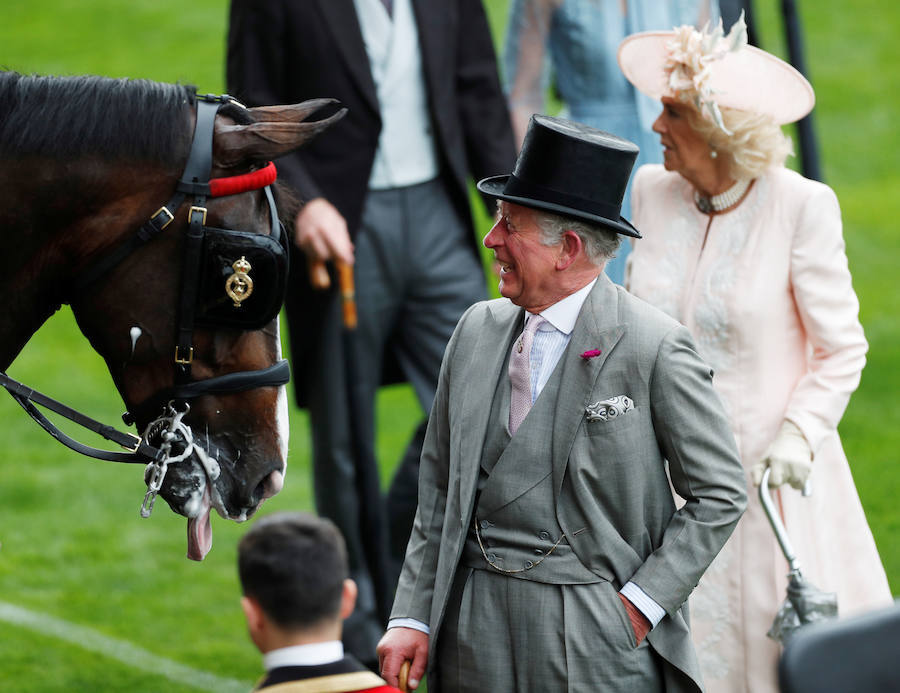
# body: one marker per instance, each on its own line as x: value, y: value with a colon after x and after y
x: 765, y: 497
x: 348, y: 294
x: 403, y: 676
x: 318, y: 277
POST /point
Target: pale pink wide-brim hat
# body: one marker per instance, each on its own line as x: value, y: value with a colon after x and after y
x: 748, y: 79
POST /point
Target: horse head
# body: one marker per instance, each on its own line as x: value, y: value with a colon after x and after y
x: 214, y: 398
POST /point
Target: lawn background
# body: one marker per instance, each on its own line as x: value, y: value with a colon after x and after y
x: 73, y: 544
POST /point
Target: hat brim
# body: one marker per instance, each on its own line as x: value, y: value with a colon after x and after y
x: 747, y: 80
x: 495, y: 185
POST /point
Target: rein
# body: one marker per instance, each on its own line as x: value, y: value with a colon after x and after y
x: 175, y: 434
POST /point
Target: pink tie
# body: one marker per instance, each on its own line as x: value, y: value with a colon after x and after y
x: 520, y: 374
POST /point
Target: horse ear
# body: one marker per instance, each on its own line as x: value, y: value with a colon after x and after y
x: 278, y: 130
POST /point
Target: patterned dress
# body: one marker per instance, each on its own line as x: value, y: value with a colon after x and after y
x: 766, y: 291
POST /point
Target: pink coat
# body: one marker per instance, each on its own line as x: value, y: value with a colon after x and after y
x: 766, y: 291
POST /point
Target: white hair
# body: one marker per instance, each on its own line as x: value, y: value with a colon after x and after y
x: 600, y: 242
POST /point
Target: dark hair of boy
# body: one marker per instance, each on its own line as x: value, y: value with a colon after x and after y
x: 294, y: 566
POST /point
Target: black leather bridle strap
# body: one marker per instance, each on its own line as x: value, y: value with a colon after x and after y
x: 240, y: 381
x: 140, y: 453
x: 199, y: 163
x: 273, y: 376
x: 184, y: 336
x: 196, y: 170
x: 149, y: 230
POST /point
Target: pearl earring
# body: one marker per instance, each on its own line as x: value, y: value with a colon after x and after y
x: 713, y: 153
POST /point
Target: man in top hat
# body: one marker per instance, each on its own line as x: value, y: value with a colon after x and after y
x: 547, y: 551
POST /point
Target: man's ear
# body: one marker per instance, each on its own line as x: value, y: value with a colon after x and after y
x: 348, y: 598
x: 570, y: 248
x: 253, y: 613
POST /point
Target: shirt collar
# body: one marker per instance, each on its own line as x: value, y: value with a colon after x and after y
x: 304, y: 655
x: 563, y: 314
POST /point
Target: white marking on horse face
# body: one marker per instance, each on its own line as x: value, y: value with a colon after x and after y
x: 135, y: 333
x: 281, y: 416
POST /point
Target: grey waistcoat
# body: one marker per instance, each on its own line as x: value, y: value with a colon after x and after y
x: 524, y: 535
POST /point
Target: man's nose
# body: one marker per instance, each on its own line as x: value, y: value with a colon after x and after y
x: 491, y: 239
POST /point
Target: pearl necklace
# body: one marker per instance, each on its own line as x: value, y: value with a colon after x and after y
x: 722, y: 201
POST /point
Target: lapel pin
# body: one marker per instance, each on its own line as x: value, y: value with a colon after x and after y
x: 590, y: 353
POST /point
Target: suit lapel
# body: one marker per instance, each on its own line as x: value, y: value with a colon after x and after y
x: 432, y: 22
x: 597, y: 327
x: 481, y: 375
x: 341, y: 19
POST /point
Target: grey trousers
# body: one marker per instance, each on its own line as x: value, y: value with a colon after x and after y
x: 415, y: 274
x: 506, y: 634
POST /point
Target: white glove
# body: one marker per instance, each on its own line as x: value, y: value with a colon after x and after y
x: 789, y: 457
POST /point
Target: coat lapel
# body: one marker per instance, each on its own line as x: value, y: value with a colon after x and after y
x: 341, y: 19
x: 502, y: 323
x: 597, y: 327
x: 433, y: 22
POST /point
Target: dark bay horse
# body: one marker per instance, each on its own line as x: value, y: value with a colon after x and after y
x: 89, y: 169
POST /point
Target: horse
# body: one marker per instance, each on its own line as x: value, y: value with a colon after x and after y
x: 121, y: 198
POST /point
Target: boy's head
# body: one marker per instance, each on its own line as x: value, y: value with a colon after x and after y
x: 293, y: 572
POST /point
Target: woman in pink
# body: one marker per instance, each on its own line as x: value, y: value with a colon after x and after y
x: 750, y: 257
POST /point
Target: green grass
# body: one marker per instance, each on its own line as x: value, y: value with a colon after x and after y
x: 73, y: 544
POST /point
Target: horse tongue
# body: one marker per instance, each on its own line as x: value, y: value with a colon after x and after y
x: 199, y: 532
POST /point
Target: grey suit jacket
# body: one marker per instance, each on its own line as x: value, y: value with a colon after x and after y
x: 613, y: 497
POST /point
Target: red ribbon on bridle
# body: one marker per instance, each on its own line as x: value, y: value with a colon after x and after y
x: 254, y: 180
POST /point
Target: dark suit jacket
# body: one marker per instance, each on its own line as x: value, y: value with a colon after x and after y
x: 286, y: 51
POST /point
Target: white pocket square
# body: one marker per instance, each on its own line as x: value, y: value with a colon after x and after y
x: 607, y: 409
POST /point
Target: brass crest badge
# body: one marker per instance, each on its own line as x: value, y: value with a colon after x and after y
x: 239, y: 285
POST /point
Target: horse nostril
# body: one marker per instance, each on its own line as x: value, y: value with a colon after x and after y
x: 270, y: 485
x: 246, y: 497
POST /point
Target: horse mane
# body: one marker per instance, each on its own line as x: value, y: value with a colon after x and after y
x: 114, y: 119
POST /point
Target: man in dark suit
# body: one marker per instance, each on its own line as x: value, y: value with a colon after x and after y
x: 296, y: 593
x: 385, y: 191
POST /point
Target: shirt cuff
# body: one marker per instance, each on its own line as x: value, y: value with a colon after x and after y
x: 410, y: 623
x: 645, y: 604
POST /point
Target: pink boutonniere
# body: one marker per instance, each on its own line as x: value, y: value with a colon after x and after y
x: 590, y: 353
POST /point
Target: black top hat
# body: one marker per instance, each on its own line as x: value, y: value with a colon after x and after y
x: 570, y: 169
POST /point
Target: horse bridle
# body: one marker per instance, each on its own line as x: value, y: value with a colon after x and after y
x: 195, y: 182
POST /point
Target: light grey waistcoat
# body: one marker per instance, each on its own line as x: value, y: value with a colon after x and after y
x: 524, y: 535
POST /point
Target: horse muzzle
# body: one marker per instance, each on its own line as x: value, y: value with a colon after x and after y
x: 202, y: 472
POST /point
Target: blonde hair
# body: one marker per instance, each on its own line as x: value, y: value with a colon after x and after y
x: 756, y: 142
